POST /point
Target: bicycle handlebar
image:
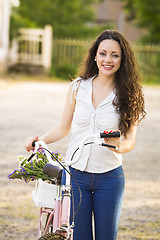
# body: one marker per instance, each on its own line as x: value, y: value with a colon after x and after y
x: 95, y: 137
x: 38, y: 144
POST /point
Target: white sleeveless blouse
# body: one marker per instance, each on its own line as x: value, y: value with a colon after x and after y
x: 87, y: 120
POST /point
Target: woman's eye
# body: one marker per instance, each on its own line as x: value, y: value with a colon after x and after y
x: 115, y: 55
x: 102, y: 54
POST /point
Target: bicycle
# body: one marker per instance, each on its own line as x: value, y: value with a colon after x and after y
x: 59, y: 224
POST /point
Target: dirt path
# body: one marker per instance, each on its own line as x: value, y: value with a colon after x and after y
x: 33, y: 108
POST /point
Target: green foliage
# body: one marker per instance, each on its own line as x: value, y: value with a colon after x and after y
x: 64, y: 71
x: 18, y: 21
x: 148, y: 57
x: 69, y: 18
x: 146, y: 14
x: 150, y: 79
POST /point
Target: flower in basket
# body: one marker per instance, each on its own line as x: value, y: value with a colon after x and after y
x: 33, y: 170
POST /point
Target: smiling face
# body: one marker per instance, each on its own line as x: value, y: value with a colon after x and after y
x: 108, y: 57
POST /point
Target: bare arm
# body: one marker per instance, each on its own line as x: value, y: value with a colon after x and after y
x: 62, y: 129
x: 128, y: 142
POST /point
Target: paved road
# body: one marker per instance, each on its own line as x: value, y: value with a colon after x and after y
x: 33, y: 108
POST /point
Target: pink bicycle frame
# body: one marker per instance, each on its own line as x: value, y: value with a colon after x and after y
x: 60, y: 213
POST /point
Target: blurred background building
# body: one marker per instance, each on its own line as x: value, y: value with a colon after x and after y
x: 112, y: 12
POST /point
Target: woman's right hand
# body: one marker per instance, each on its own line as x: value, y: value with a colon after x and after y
x: 28, y: 143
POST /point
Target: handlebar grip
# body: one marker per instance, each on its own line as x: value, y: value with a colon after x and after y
x: 110, y: 134
x: 33, y: 143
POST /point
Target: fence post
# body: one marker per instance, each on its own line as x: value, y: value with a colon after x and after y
x: 4, y: 33
x: 47, y: 47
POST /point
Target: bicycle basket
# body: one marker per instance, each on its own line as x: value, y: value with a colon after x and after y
x: 44, y: 194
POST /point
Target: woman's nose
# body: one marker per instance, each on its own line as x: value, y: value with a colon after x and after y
x: 108, y: 58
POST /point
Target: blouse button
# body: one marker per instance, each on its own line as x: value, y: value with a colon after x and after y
x: 92, y: 118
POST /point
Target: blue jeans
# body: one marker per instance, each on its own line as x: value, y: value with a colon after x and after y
x: 102, y: 195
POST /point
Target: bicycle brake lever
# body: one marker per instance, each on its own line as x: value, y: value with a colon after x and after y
x: 98, y: 141
x: 110, y: 146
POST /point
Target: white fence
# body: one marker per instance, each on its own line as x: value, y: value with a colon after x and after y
x: 32, y: 47
x: 72, y: 52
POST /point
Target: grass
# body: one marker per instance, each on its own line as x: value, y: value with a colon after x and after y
x: 21, y: 218
x: 18, y: 219
x: 137, y: 230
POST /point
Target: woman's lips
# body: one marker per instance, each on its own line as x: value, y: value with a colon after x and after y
x: 107, y: 67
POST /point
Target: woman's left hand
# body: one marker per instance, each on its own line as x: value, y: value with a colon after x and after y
x: 115, y: 141
x: 127, y: 143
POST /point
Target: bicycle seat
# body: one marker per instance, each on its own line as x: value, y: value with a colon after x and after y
x: 53, y: 171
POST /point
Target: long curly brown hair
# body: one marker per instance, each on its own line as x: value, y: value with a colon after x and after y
x: 129, y: 99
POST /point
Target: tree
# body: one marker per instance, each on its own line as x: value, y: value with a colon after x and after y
x: 69, y: 18
x: 146, y: 15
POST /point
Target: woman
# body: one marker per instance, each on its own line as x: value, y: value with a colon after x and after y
x: 106, y: 96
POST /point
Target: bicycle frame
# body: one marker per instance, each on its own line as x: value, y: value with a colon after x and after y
x: 61, y: 211
x: 56, y: 213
